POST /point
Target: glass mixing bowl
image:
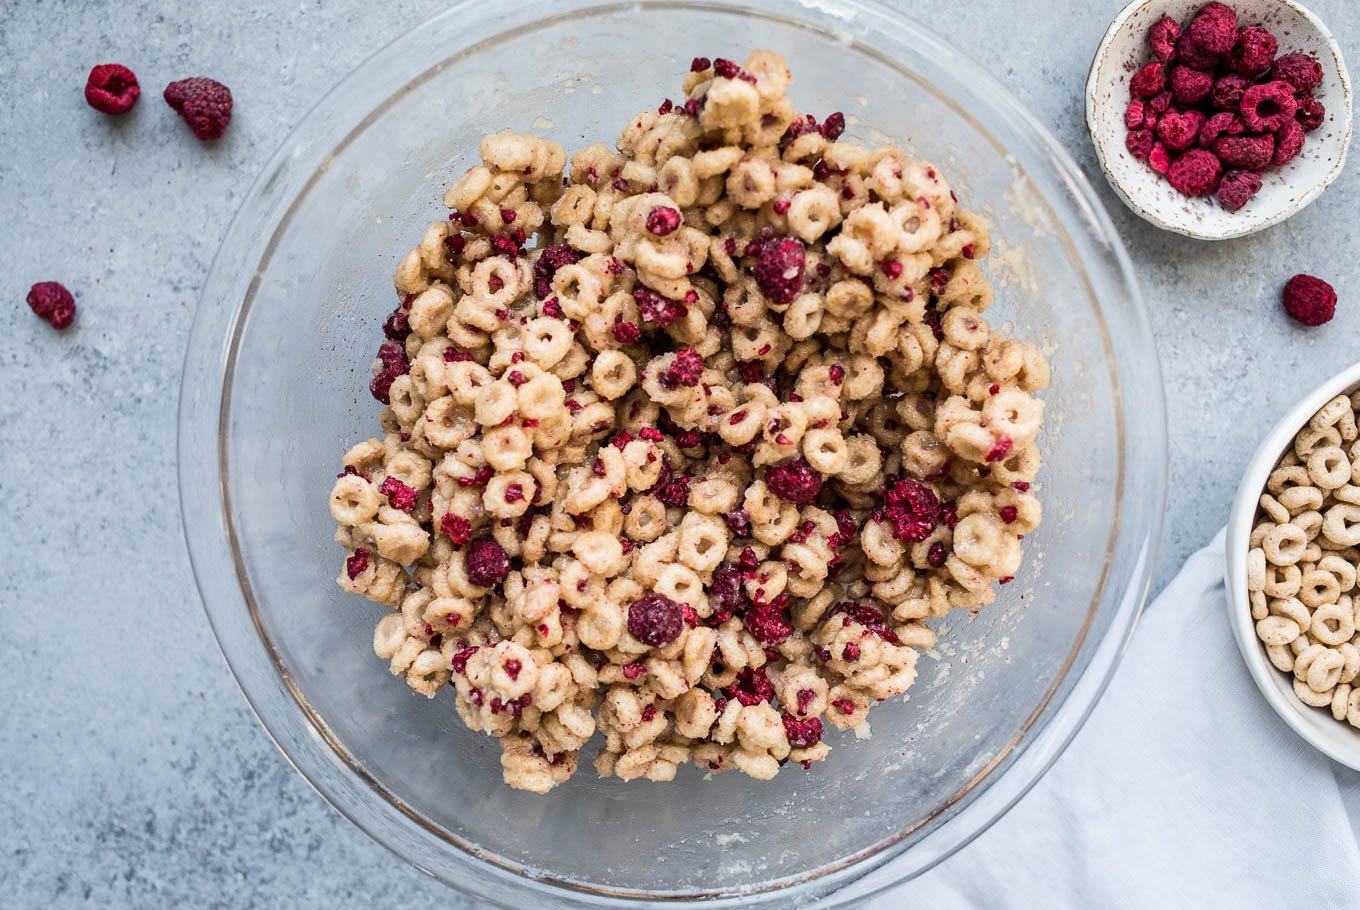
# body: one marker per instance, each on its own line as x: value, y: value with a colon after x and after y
x: 275, y: 389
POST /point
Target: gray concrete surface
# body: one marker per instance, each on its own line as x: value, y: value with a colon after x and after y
x: 131, y: 771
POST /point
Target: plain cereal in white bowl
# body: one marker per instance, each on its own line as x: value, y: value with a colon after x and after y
x: 1284, y: 190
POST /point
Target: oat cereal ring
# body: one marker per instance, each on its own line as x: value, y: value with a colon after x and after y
x: 1284, y: 544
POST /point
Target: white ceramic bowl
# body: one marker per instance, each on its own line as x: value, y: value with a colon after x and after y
x: 1284, y: 191
x: 1336, y: 739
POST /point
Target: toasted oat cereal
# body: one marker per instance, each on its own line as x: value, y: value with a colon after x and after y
x: 685, y: 440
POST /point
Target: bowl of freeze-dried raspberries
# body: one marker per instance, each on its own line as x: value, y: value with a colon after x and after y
x: 1216, y: 120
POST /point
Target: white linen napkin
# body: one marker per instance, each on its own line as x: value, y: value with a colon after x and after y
x: 1183, y: 789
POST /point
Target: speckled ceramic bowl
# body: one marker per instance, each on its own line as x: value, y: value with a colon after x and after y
x: 1284, y: 191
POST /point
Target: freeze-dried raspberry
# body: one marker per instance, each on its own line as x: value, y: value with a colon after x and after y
x: 727, y: 592
x: 1227, y: 92
x: 1237, y: 188
x: 766, y: 622
x: 752, y: 687
x: 1140, y: 143
x: 800, y: 127
x: 674, y: 492
x: 937, y: 555
x: 686, y: 369
x: 1288, y: 143
x: 1310, y: 113
x: 1309, y: 300
x: 911, y: 508
x: 1149, y: 81
x: 726, y: 69
x: 657, y: 309
x: 699, y: 64
x: 546, y: 265
x: 205, y: 104
x: 1190, y: 53
x: 52, y: 303
x: 1179, y: 129
x: 1254, y: 51
x: 802, y: 734
x: 1301, y: 71
x: 112, y: 88
x: 1266, y: 106
x: 356, y: 564
x: 1250, y: 153
x: 1161, y: 103
x: 794, y: 481
x: 833, y: 126
x: 1214, y: 28
x: 399, y: 495
x: 655, y: 620
x: 1162, y: 38
x: 663, y: 220
x: 397, y: 326
x: 779, y: 270
x: 1196, y: 172
x: 1159, y: 159
x: 869, y: 617
x: 1223, y: 123
x: 1135, y: 113
x: 456, y: 528
x: 1190, y: 86
x: 487, y: 563
x: 625, y: 332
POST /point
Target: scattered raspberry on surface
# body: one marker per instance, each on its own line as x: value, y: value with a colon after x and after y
x: 699, y: 64
x: 663, y: 220
x: 1254, y: 51
x: 766, y: 622
x: 726, y: 69
x: 397, y: 327
x: 1140, y: 143
x: 456, y: 528
x: 1220, y: 124
x: 662, y: 311
x: 1214, y: 28
x: 1309, y: 300
x: 1302, y: 72
x: 1288, y: 143
x: 1179, y: 129
x: 205, y: 104
x: 1196, y: 172
x: 779, y: 270
x: 1249, y: 153
x: 794, y: 481
x: 52, y: 303
x: 1266, y: 106
x: 1311, y: 113
x: 1227, y: 92
x: 752, y: 687
x: 1190, y: 86
x: 1149, y: 81
x: 686, y: 369
x: 1189, y: 52
x: 487, y: 563
x: 1162, y: 37
x: 655, y: 620
x: 546, y: 265
x: 112, y: 88
x: 802, y: 733
x: 937, y: 554
x: 356, y: 564
x: 911, y: 508
x: 1237, y: 188
x: 833, y: 126
x: 399, y: 495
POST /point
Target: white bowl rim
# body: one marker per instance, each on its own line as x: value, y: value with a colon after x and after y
x: 1247, y: 228
x: 1304, y: 720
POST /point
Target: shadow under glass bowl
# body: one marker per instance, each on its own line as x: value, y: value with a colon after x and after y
x: 275, y: 389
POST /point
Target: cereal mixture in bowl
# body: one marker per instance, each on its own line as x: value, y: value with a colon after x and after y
x: 1302, y: 565
x: 684, y: 441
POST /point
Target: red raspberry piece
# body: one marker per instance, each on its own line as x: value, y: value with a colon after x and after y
x: 800, y: 127
x: 397, y: 327
x: 1311, y: 113
x: 727, y: 592
x: 399, y: 495
x: 1179, y: 129
x: 1301, y: 71
x: 1162, y: 38
x: 356, y: 564
x: 699, y: 64
x: 625, y: 332
x: 1159, y: 159
x: 1309, y: 300
x: 1227, y: 92
x: 726, y: 69
x: 937, y: 555
x: 663, y: 220
x: 1140, y: 143
x: 687, y: 368
x: 657, y: 309
x: 1196, y: 172
x: 752, y: 687
x: 869, y: 617
x: 802, y: 733
x: 794, y: 481
x: 52, y: 303
x: 1189, y: 52
x: 1214, y: 28
x: 1149, y: 81
x: 655, y: 620
x: 1161, y: 103
x: 1266, y: 106
x: 833, y: 126
x: 456, y: 528
x: 1135, y: 113
x: 205, y: 104
x: 548, y: 262
x: 1254, y: 51
x: 1250, y: 153
x: 1237, y: 188
x: 779, y: 270
x: 766, y: 622
x: 1190, y: 86
x: 487, y: 563
x: 112, y: 88
x: 1222, y: 123
x: 1288, y: 143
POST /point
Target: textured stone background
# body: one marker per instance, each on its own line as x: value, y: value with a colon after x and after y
x: 131, y: 771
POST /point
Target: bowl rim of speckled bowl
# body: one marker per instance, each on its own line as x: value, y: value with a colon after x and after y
x: 219, y: 562
x: 1316, y: 726
x: 1281, y: 191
